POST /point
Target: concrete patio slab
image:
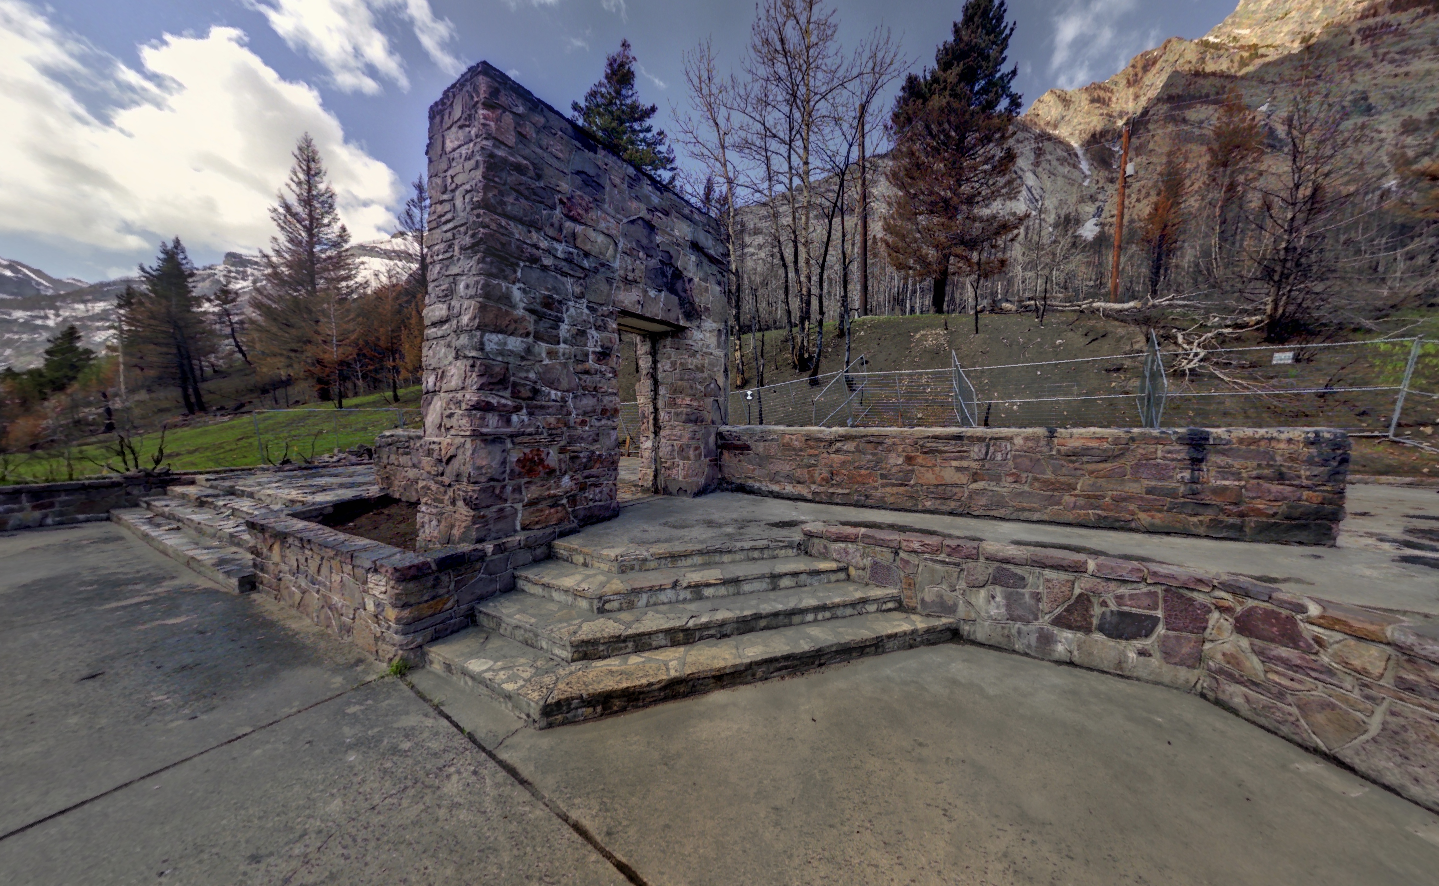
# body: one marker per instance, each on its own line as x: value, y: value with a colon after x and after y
x: 158, y: 729
x: 957, y: 764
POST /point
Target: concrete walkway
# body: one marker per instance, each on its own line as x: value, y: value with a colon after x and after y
x: 158, y: 730
x: 1369, y: 566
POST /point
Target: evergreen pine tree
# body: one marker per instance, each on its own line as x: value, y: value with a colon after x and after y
x: 952, y: 166
x: 65, y: 359
x: 613, y: 114
x: 304, y: 323
x: 165, y: 335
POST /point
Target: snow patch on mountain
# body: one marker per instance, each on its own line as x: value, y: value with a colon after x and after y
x: 34, y: 305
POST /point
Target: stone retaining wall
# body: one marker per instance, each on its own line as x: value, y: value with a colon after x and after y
x: 388, y: 601
x: 1358, y: 685
x: 397, y: 464
x: 1252, y: 485
x: 79, y: 501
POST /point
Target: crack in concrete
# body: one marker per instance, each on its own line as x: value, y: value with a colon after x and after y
x: 501, y: 743
x: 619, y: 864
x: 183, y: 760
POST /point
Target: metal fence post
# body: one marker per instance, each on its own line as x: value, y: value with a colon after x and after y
x: 259, y: 443
x: 1404, y: 385
x: 337, y: 431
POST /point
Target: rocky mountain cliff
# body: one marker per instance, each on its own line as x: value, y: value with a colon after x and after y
x: 1382, y: 54
x: 34, y: 305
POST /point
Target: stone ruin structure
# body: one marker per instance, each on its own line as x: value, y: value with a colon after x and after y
x: 543, y: 247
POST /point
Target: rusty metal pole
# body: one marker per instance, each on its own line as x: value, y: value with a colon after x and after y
x: 1119, y: 218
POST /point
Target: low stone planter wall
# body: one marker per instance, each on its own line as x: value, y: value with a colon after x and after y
x: 79, y: 501
x: 1252, y: 485
x: 385, y: 600
x: 1358, y: 685
x: 397, y: 464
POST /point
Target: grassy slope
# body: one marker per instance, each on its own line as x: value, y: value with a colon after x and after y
x: 308, y: 430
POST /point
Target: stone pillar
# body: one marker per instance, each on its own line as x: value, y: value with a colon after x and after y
x: 539, y: 242
x: 692, y: 405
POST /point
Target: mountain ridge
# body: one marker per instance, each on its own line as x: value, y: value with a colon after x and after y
x: 28, y: 318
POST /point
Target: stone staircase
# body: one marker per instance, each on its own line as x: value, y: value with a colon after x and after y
x: 597, y: 631
x: 203, y: 525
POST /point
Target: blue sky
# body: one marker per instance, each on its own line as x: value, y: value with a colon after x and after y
x: 128, y: 121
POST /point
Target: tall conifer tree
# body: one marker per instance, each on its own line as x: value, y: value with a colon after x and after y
x: 304, y: 318
x: 952, y: 166
x: 65, y: 359
x: 165, y: 335
x: 613, y: 113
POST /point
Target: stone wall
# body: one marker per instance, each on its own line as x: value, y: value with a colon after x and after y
x: 540, y: 244
x: 385, y: 600
x: 1253, y: 485
x: 397, y: 464
x: 80, y: 501
x: 1358, y: 685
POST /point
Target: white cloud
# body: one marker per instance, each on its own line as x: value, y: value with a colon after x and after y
x: 616, y: 6
x: 345, y: 37
x: 651, y: 77
x: 1092, y: 41
x: 195, y: 143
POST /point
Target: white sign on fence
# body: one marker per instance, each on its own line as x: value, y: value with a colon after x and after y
x: 1282, y: 357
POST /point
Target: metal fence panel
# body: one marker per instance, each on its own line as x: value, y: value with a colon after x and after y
x: 1365, y: 387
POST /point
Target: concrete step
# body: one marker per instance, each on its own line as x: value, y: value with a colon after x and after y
x: 572, y: 633
x: 639, y: 558
x: 600, y: 591
x: 201, y: 520
x: 549, y: 692
x: 229, y: 567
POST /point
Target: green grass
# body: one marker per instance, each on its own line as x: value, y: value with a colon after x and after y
x: 299, y: 435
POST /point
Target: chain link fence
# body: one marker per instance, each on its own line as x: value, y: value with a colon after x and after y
x: 1382, y: 388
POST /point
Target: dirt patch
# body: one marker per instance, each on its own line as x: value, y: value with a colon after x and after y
x: 392, y: 523
x: 1385, y: 458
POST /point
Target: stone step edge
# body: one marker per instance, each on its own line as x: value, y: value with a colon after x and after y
x: 826, y: 571
x: 202, y: 556
x: 648, y: 557
x: 235, y: 506
x: 737, y: 624
x: 175, y: 510
x: 551, y: 713
x: 786, y: 665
